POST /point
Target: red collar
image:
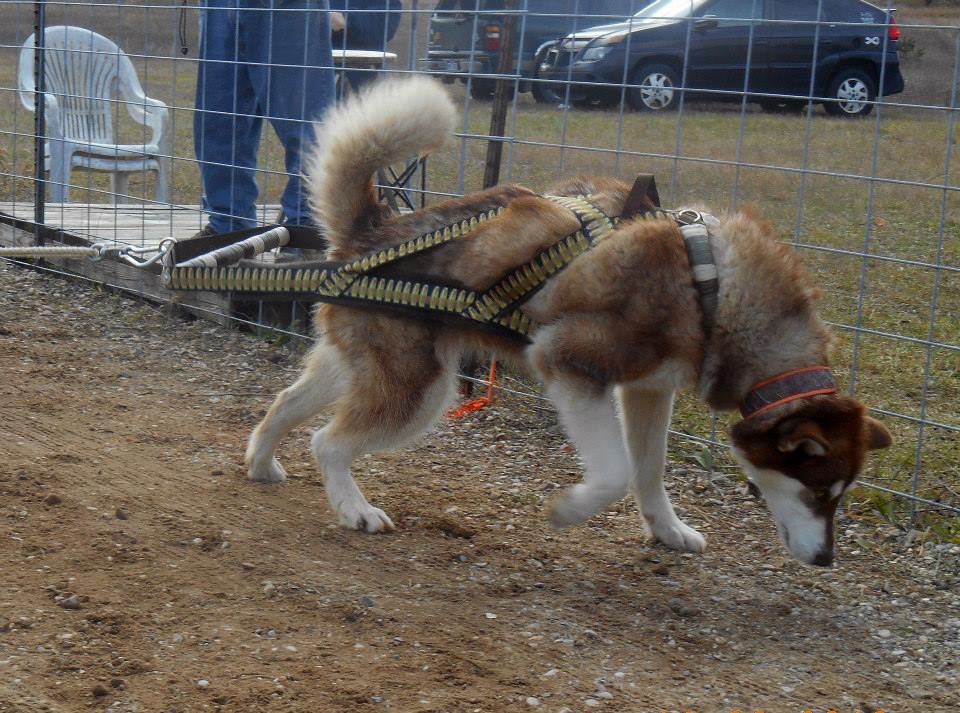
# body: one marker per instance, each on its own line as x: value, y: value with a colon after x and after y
x: 786, y: 387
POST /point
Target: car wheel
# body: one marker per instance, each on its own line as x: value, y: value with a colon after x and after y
x: 546, y: 93
x: 654, y: 88
x: 788, y: 106
x: 851, y: 94
x: 482, y: 89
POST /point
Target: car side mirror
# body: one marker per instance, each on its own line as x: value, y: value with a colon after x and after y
x: 706, y: 23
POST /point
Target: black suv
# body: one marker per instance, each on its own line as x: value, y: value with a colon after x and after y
x: 465, y: 35
x: 707, y: 45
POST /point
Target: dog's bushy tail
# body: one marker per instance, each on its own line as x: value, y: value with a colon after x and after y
x: 389, y: 122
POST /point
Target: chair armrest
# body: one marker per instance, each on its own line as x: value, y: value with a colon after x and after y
x: 27, y: 88
x: 143, y: 109
x: 52, y: 117
x: 26, y: 92
x: 152, y: 113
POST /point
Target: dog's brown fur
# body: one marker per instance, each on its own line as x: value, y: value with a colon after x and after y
x: 622, y: 323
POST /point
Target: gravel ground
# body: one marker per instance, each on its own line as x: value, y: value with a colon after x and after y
x: 141, y: 571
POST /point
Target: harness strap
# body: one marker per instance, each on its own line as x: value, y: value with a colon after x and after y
x: 331, y: 278
x: 643, y: 201
x: 695, y: 227
x: 356, y: 281
x: 503, y: 299
x: 251, y: 247
x: 500, y: 306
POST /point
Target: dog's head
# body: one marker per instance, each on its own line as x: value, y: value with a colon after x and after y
x: 803, y: 461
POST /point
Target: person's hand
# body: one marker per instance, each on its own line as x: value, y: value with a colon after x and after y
x: 337, y: 22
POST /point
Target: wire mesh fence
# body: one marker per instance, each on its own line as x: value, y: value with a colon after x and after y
x: 834, y: 119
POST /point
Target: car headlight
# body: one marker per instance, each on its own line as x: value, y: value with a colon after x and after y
x: 596, y: 52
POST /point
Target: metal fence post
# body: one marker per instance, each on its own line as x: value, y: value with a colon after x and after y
x: 39, y: 115
x: 501, y: 97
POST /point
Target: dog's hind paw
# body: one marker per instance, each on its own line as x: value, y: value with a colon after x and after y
x: 365, y: 518
x: 679, y: 536
x: 271, y: 472
x: 565, y: 512
x: 579, y: 503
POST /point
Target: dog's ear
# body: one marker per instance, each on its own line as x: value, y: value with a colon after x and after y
x: 802, y: 435
x: 834, y: 427
x: 877, y: 434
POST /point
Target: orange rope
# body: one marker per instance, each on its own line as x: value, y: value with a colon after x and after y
x: 477, y: 404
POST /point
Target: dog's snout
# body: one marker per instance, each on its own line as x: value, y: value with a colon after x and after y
x: 824, y: 558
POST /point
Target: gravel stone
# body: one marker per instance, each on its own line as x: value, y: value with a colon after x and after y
x: 71, y: 602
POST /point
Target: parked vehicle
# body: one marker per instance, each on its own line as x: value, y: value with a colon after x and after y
x: 843, y: 59
x: 466, y: 35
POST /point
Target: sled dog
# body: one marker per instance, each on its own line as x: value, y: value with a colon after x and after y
x: 612, y: 335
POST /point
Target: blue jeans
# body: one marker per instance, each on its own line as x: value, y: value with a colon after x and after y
x: 259, y: 59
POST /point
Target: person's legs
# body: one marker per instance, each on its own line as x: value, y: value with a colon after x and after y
x: 359, y: 78
x: 294, y: 84
x: 226, y: 127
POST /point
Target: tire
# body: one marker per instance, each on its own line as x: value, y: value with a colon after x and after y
x: 850, y: 94
x: 654, y: 88
x: 786, y: 106
x: 546, y: 93
x: 483, y: 89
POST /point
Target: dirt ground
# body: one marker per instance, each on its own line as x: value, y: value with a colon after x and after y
x: 141, y: 571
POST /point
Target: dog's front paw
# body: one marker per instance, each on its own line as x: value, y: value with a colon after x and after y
x: 677, y: 535
x: 364, y: 517
x: 270, y: 472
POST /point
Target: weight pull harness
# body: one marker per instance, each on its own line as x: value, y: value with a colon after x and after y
x: 357, y: 282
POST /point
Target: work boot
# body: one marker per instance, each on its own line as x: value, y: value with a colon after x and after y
x: 204, y: 232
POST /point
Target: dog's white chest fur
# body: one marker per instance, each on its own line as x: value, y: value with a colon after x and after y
x: 671, y: 375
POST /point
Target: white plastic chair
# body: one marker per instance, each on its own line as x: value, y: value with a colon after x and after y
x: 85, y: 76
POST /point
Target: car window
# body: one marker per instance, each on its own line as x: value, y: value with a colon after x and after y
x: 670, y: 9
x: 853, y: 11
x: 732, y: 13
x: 468, y: 5
x: 793, y: 10
x: 618, y: 8
x: 554, y: 7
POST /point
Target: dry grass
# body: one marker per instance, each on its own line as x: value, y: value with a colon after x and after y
x: 758, y: 160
